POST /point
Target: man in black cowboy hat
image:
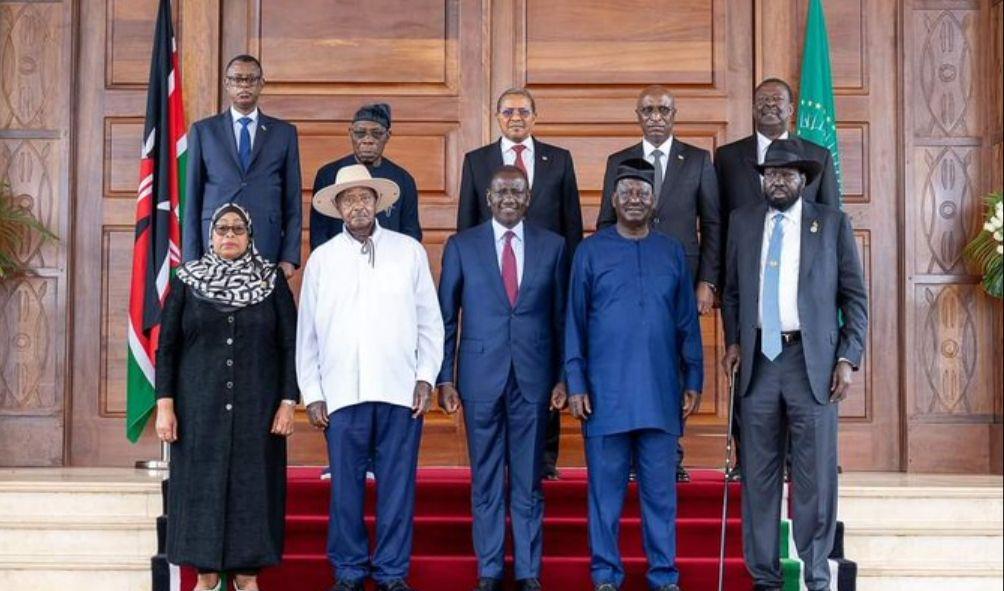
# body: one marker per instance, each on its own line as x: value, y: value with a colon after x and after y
x: 793, y: 272
x: 369, y: 133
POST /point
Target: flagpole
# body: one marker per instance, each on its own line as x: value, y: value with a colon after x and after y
x: 161, y: 465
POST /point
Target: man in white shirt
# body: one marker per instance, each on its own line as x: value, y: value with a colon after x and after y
x: 686, y: 198
x: 795, y: 311
x: 244, y: 156
x: 369, y: 348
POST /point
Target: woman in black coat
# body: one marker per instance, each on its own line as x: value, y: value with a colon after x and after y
x: 226, y: 394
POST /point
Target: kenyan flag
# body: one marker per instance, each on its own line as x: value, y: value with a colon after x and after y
x: 157, y: 249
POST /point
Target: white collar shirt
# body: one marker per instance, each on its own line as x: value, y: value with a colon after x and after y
x: 509, y: 154
x: 518, y: 246
x: 762, y: 143
x: 791, y: 243
x: 367, y: 332
x: 235, y: 119
x: 647, y: 148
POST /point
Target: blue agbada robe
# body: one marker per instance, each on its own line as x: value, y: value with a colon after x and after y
x: 632, y: 328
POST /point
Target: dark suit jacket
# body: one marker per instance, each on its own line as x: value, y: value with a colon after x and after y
x: 689, y: 199
x: 495, y: 335
x: 830, y: 281
x: 270, y: 190
x: 401, y: 217
x: 554, y: 204
x: 739, y: 182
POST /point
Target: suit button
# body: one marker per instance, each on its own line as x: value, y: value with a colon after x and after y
x: 230, y: 385
x: 230, y: 319
x: 230, y: 362
x: 656, y: 221
x: 230, y: 341
x: 230, y: 406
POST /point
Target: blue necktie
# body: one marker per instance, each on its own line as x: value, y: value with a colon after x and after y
x: 770, y: 323
x: 244, y: 147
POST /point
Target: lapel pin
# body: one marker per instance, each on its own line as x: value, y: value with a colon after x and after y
x: 544, y: 158
x: 815, y: 226
x: 263, y: 128
x: 679, y: 156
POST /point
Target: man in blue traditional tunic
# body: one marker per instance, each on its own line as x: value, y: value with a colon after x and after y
x: 634, y: 368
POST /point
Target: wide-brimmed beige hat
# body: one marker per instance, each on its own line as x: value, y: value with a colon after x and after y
x: 356, y: 175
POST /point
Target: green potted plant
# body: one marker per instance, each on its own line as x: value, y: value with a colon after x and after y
x: 15, y: 223
x: 986, y: 250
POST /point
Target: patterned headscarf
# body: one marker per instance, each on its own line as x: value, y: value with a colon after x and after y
x: 244, y: 281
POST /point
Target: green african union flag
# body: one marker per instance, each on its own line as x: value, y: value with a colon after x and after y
x: 817, y: 117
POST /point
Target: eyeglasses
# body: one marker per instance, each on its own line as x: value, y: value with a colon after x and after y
x: 235, y: 230
x: 243, y: 80
x: 650, y: 112
x: 377, y: 134
x: 522, y: 112
x: 344, y: 200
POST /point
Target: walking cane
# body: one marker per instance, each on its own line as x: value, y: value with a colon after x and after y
x: 725, y: 492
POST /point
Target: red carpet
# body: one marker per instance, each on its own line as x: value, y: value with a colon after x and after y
x: 443, y: 556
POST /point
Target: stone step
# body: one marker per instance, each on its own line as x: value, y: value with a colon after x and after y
x: 917, y: 544
x: 934, y: 576
x: 74, y: 535
x: 80, y: 573
x: 19, y: 499
x: 896, y: 504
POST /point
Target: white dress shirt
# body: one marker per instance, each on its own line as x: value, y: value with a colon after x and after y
x: 647, y: 148
x: 367, y: 333
x: 236, y: 116
x: 762, y: 143
x: 509, y: 155
x: 517, y: 246
x: 791, y: 244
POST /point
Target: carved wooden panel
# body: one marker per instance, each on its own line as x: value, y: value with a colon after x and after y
x: 996, y: 99
x: 952, y: 354
x: 948, y: 204
x: 28, y: 366
x: 129, y: 41
x: 32, y: 169
x: 852, y: 139
x: 123, y: 138
x: 31, y: 38
x: 361, y: 42
x: 635, y: 42
x: 945, y: 72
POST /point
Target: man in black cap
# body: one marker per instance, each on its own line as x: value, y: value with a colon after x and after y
x: 369, y: 133
x: 634, y: 368
x: 793, y: 272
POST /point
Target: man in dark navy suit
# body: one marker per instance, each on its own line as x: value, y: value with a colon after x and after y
x: 686, y: 197
x: 554, y: 204
x: 246, y: 157
x: 369, y: 134
x: 508, y: 279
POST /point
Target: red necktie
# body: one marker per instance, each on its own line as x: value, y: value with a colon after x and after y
x: 519, y: 158
x: 509, y: 269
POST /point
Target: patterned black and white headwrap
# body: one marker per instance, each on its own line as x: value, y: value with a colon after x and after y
x: 244, y: 281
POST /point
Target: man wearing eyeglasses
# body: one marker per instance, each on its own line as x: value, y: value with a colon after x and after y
x: 246, y: 157
x: 369, y: 134
x: 686, y: 197
x: 554, y: 196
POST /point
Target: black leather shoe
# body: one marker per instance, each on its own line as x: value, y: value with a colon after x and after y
x: 682, y: 475
x: 606, y: 587
x: 551, y: 473
x: 345, y: 585
x: 529, y: 585
x: 734, y: 475
x: 487, y: 584
x: 398, y: 585
x: 670, y: 587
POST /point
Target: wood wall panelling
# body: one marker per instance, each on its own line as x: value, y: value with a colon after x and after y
x: 35, y: 44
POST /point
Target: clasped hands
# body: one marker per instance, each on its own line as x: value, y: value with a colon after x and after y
x: 317, y: 412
